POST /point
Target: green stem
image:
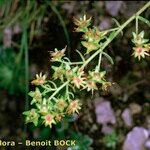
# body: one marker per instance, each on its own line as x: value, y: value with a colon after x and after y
x: 116, y: 33
x: 76, y: 63
x: 71, y: 63
x: 99, y: 61
x: 67, y: 92
x: 62, y: 86
x: 47, y: 88
x: 136, y: 25
x: 110, y: 30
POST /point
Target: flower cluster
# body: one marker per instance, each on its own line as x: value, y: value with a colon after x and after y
x: 78, y: 78
x: 54, y: 99
x: 142, y: 47
x: 82, y: 23
x: 91, y: 36
x: 52, y: 111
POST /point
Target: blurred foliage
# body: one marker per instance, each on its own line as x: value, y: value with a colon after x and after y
x: 111, y: 140
x: 83, y: 142
x: 11, y: 77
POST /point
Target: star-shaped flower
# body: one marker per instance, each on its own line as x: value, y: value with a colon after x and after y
x: 74, y: 107
x: 140, y: 52
x: 40, y: 80
x: 82, y: 23
x: 49, y: 120
x: 58, y: 54
x: 32, y: 116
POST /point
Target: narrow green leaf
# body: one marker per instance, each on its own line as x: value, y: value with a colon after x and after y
x: 108, y: 57
x: 144, y: 20
x: 118, y: 24
x: 111, y: 35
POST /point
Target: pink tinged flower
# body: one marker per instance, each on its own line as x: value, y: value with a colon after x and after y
x: 40, y: 80
x: 59, y: 117
x: 73, y: 107
x: 82, y: 23
x: 140, y: 52
x: 49, y: 120
x: 91, y: 85
x: 58, y: 54
x: 78, y: 81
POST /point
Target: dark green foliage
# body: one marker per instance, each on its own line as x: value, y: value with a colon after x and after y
x: 11, y: 76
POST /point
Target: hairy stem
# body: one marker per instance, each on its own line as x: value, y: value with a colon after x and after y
x: 62, y: 86
x: 136, y: 25
x: 99, y: 61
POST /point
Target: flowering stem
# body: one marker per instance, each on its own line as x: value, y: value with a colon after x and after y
x: 99, y: 61
x: 116, y: 33
x: 67, y: 92
x: 136, y: 25
x: 71, y: 63
x: 62, y: 86
x: 110, y: 30
x: 76, y: 63
x: 48, y: 88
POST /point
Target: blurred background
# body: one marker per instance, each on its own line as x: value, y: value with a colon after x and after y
x: 29, y: 30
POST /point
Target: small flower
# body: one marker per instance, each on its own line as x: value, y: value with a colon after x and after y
x: 43, y: 109
x: 78, y: 77
x: 140, y: 52
x: 106, y: 85
x: 69, y: 74
x: 58, y: 72
x: 90, y: 46
x: 97, y: 76
x: 40, y: 80
x: 91, y: 86
x: 58, y: 54
x: 37, y: 96
x: 78, y: 81
x: 73, y: 107
x: 32, y: 116
x: 49, y: 120
x: 82, y: 23
x: 59, y: 117
x: 61, y: 104
x: 94, y: 35
x: 139, y: 40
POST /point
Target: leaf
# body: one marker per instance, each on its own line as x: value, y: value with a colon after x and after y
x: 118, y: 24
x: 144, y: 20
x: 111, y: 35
x: 83, y: 59
x: 108, y: 57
